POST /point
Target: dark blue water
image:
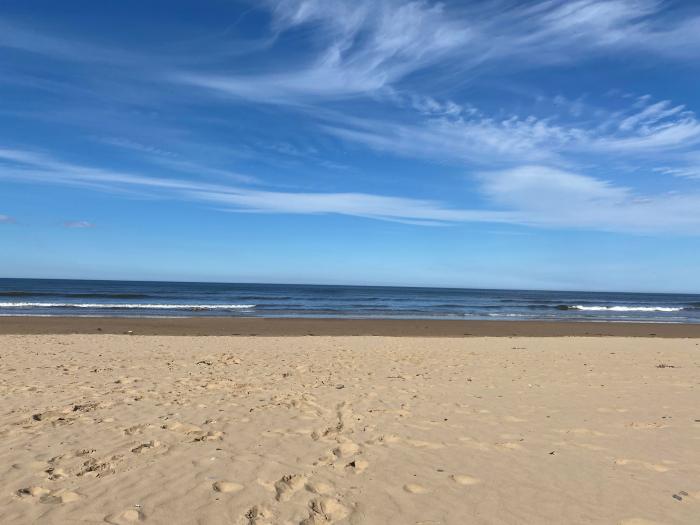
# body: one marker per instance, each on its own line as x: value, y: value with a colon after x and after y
x: 130, y: 298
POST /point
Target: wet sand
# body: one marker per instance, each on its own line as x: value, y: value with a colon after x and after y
x: 337, y: 327
x: 120, y: 429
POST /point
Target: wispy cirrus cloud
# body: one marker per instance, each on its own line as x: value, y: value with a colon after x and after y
x: 363, y: 47
x: 381, y: 52
x: 532, y: 195
x: 644, y: 128
x: 21, y: 38
x: 78, y: 224
x: 31, y: 167
x: 546, y: 197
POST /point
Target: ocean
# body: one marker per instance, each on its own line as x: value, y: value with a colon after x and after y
x: 50, y: 297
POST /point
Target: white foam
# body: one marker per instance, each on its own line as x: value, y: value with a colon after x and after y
x: 627, y: 308
x: 131, y: 306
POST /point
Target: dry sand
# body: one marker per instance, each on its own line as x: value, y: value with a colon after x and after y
x: 239, y: 430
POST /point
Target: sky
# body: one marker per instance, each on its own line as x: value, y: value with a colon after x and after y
x: 544, y: 144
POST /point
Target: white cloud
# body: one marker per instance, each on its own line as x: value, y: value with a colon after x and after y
x: 530, y: 195
x: 365, y: 46
x: 683, y: 171
x: 32, y: 167
x: 541, y: 196
x: 17, y: 37
x: 6, y: 219
x: 643, y: 129
x: 78, y: 224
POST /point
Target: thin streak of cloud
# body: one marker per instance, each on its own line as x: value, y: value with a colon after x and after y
x: 474, y: 137
x: 538, y: 196
x: 14, y: 36
x: 369, y: 46
x: 78, y: 224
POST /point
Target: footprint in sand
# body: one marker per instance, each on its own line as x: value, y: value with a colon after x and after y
x: 184, y: 428
x: 328, y: 509
x: 259, y: 515
x: 227, y: 486
x: 510, y: 446
x: 288, y: 485
x: 35, y: 492
x: 51, y: 415
x: 137, y: 429
x: 414, y: 488
x: 49, y: 496
x: 514, y: 419
x: 126, y: 517
x: 388, y: 439
x: 56, y: 473
x: 638, y: 521
x: 146, y: 447
x: 476, y: 445
x: 99, y: 467
x: 462, y: 479
x: 639, y: 425
x: 319, y: 487
x: 649, y: 466
x: 346, y: 449
x: 211, y: 435
x: 425, y: 444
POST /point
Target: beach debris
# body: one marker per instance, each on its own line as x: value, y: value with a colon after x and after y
x: 679, y: 498
x: 665, y: 365
x: 339, y: 387
x: 358, y: 465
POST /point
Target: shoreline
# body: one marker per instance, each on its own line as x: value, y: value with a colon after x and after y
x: 276, y: 327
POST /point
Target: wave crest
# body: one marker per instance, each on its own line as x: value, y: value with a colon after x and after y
x: 134, y: 306
x: 624, y: 308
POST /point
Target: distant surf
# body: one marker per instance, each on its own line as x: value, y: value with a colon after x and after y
x: 131, y: 306
x: 40, y: 297
x: 626, y: 308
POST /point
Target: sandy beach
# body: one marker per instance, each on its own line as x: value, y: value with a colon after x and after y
x: 250, y: 326
x: 310, y: 430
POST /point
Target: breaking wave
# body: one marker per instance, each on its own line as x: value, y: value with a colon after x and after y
x: 622, y: 308
x: 134, y: 306
x: 78, y: 295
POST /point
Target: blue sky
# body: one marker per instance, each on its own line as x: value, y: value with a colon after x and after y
x: 540, y: 144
